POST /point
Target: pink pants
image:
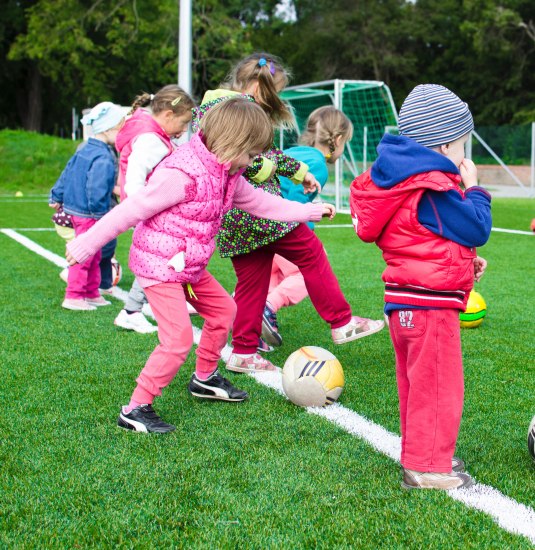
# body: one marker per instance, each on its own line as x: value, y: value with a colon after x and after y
x: 253, y: 271
x: 175, y: 333
x: 430, y: 380
x: 84, y: 279
x: 287, y: 285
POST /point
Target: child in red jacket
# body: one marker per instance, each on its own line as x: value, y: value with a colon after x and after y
x: 412, y: 205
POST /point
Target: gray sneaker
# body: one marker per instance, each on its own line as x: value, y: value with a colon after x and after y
x: 434, y: 480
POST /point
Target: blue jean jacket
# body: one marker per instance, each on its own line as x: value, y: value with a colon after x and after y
x: 86, y: 184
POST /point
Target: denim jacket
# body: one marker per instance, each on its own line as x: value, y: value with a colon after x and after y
x: 85, y: 185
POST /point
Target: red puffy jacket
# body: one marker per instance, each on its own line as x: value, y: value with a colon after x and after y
x: 422, y: 268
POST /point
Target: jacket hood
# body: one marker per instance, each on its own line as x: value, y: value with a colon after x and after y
x: 400, y: 157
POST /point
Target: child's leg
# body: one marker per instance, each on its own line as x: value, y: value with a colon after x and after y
x: 218, y: 310
x: 253, y: 271
x: 303, y: 248
x: 84, y: 279
x: 287, y: 285
x: 431, y: 386
x: 168, y: 304
x: 136, y: 298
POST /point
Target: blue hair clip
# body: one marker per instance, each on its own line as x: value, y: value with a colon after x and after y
x: 262, y: 61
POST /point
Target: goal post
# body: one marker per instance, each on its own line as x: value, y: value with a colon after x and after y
x: 369, y: 106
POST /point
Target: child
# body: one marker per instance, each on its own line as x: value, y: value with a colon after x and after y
x: 251, y: 241
x: 84, y: 189
x: 143, y: 142
x: 411, y: 204
x: 322, y: 142
x: 179, y: 213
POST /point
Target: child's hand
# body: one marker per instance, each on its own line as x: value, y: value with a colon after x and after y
x: 480, y: 264
x: 311, y: 184
x: 55, y: 205
x: 70, y: 258
x: 329, y: 211
x: 468, y: 173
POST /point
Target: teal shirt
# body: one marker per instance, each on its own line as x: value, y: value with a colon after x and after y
x: 317, y: 165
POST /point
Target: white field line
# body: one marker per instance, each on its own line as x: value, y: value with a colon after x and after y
x: 496, y: 229
x: 510, y: 515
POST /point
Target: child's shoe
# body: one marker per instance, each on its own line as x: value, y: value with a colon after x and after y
x: 263, y: 346
x: 134, y: 321
x: 77, y: 305
x: 143, y: 419
x: 270, y: 327
x: 358, y: 327
x: 98, y: 302
x: 433, y: 480
x: 215, y: 387
x: 457, y: 464
x: 106, y: 291
x: 249, y: 363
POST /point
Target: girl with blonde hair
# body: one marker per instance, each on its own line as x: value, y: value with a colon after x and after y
x: 177, y: 216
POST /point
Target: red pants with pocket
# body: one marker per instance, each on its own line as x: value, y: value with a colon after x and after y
x: 430, y: 380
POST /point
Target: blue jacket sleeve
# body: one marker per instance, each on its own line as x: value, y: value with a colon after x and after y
x: 57, y: 192
x: 466, y: 221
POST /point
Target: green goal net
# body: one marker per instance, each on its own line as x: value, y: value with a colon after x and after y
x: 368, y: 104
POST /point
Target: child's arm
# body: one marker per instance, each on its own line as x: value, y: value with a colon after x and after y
x: 267, y: 206
x: 166, y: 188
x: 148, y: 150
x: 99, y: 184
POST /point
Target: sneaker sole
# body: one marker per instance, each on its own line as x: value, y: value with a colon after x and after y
x: 359, y: 335
x: 465, y: 485
x: 247, y: 369
x: 92, y: 308
x: 136, y: 329
x: 217, y: 397
x: 270, y: 336
x: 134, y: 426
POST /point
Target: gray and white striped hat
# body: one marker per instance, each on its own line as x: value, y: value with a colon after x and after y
x: 432, y: 115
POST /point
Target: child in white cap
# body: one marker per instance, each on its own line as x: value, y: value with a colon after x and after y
x: 412, y: 205
x: 84, y: 189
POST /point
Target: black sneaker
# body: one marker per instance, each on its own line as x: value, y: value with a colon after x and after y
x: 216, y: 387
x: 270, y: 327
x: 144, y: 419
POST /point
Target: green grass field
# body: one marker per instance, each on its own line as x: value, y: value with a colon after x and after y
x: 264, y: 473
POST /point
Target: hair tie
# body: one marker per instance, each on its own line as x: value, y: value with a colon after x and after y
x: 176, y: 101
x: 151, y: 97
x: 262, y: 62
x: 271, y: 68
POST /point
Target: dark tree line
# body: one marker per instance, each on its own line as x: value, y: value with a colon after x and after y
x: 60, y: 54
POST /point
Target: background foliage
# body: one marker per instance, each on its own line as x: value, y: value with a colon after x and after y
x: 60, y: 54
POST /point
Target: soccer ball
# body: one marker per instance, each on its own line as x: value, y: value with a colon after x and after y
x: 116, y: 271
x: 531, y: 439
x: 312, y: 377
x: 476, y: 309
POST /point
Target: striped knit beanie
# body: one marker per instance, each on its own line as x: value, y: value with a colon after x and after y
x: 432, y: 115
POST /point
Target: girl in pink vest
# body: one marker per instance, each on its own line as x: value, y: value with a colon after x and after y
x: 177, y: 216
x: 143, y: 142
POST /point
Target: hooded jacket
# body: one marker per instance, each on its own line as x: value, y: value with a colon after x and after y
x: 411, y: 205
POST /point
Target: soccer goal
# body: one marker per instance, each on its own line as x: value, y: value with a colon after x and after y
x: 367, y: 103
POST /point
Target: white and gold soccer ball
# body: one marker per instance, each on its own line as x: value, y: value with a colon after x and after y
x: 312, y: 377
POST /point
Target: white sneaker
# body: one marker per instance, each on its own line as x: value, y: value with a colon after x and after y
x: 77, y: 305
x: 358, y: 327
x: 100, y: 301
x: 249, y: 363
x: 134, y: 321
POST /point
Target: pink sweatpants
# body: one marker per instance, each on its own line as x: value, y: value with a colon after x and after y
x: 253, y: 271
x: 287, y: 285
x: 430, y: 380
x: 84, y: 279
x: 175, y: 333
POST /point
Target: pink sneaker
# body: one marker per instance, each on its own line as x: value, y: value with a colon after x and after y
x: 249, y: 363
x: 357, y: 328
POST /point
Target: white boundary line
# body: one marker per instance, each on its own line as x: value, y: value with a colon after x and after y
x: 510, y: 515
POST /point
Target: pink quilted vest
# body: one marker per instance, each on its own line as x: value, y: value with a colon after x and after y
x: 187, y: 229
x: 141, y: 122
